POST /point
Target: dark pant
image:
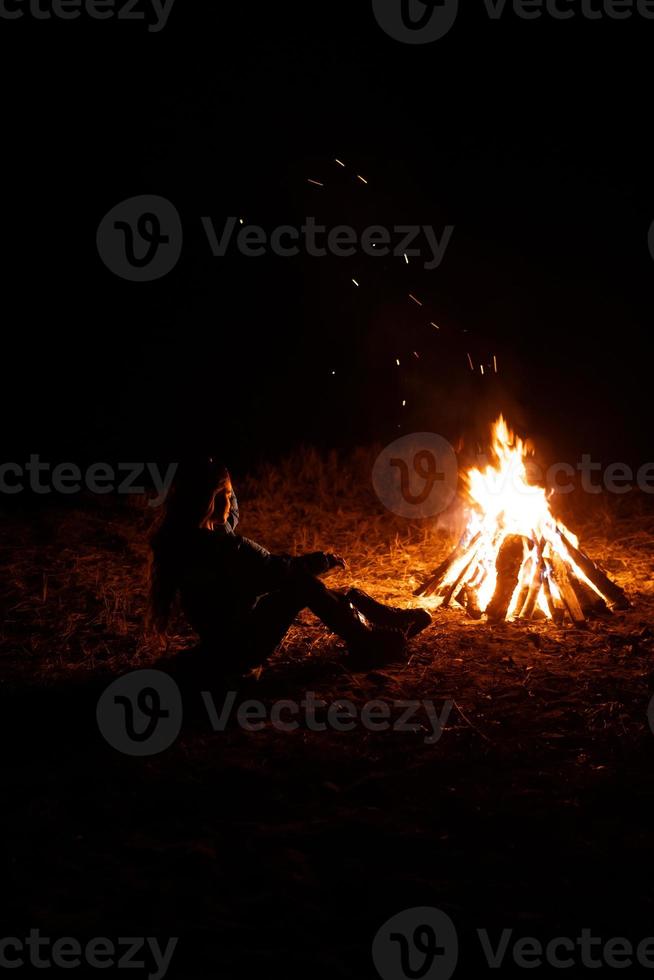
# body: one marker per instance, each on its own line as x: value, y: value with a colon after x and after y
x: 270, y: 620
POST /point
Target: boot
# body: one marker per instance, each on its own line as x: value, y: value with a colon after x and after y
x: 410, y: 621
x: 369, y: 646
x: 377, y: 646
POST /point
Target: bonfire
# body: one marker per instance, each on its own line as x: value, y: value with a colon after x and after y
x: 516, y: 560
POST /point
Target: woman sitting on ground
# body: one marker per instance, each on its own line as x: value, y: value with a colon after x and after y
x: 240, y: 599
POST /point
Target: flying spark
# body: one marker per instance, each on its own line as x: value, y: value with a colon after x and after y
x: 355, y: 282
x: 472, y: 367
x: 316, y: 182
x: 340, y: 162
x: 416, y: 301
x: 362, y: 179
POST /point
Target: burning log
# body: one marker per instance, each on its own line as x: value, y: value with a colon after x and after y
x: 552, y: 599
x: 602, y: 582
x: 447, y: 598
x: 471, y: 604
x: 568, y: 594
x: 433, y: 582
x: 515, y: 560
x: 508, y: 564
x: 591, y: 603
x: 528, y: 607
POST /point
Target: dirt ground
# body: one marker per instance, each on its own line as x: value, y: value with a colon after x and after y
x: 285, y: 852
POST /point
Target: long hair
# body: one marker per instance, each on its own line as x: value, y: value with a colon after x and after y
x: 189, y: 503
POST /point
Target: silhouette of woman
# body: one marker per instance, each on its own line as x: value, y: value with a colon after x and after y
x: 240, y: 599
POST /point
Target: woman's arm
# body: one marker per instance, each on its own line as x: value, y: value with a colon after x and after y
x: 264, y: 572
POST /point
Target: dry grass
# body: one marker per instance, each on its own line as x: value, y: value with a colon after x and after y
x: 514, y: 819
x: 74, y: 581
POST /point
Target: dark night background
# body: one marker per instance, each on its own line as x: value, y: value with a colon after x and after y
x: 271, y: 853
x: 531, y: 138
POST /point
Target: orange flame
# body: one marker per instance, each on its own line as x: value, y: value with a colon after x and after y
x: 504, y: 502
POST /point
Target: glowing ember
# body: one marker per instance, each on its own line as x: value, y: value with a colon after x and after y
x: 515, y: 559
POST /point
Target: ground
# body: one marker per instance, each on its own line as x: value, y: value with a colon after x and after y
x: 286, y: 851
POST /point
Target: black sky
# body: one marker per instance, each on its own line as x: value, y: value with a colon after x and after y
x: 531, y: 138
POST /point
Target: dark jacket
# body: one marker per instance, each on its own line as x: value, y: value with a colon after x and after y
x: 223, y: 575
